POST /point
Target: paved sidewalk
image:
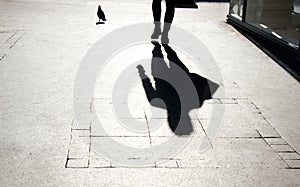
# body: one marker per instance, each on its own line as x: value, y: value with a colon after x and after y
x: 42, y: 44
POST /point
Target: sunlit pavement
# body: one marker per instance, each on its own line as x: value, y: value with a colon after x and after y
x: 42, y: 46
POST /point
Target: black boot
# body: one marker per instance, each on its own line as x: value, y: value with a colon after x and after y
x: 165, y: 33
x: 157, y: 30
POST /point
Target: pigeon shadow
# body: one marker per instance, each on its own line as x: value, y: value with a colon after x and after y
x: 176, y: 89
x: 100, y: 22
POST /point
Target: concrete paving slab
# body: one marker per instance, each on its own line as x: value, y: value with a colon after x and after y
x: 293, y: 164
x: 236, y: 153
x: 77, y: 163
x: 290, y: 156
x: 275, y: 141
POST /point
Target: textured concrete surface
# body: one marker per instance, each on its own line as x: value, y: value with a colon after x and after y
x: 41, y: 46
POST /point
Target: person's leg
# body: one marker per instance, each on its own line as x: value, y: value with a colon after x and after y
x: 165, y: 33
x: 156, y: 10
x: 169, y: 15
x: 170, y: 11
x: 157, y: 30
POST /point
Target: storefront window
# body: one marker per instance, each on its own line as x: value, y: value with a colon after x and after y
x: 281, y: 18
x: 236, y: 8
x: 297, y: 6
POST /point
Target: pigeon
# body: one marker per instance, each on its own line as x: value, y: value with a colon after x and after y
x: 100, y: 14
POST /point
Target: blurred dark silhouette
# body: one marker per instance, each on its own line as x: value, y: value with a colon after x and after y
x: 100, y: 15
x: 176, y: 89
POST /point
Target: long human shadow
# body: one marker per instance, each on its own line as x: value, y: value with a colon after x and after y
x: 176, y: 89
